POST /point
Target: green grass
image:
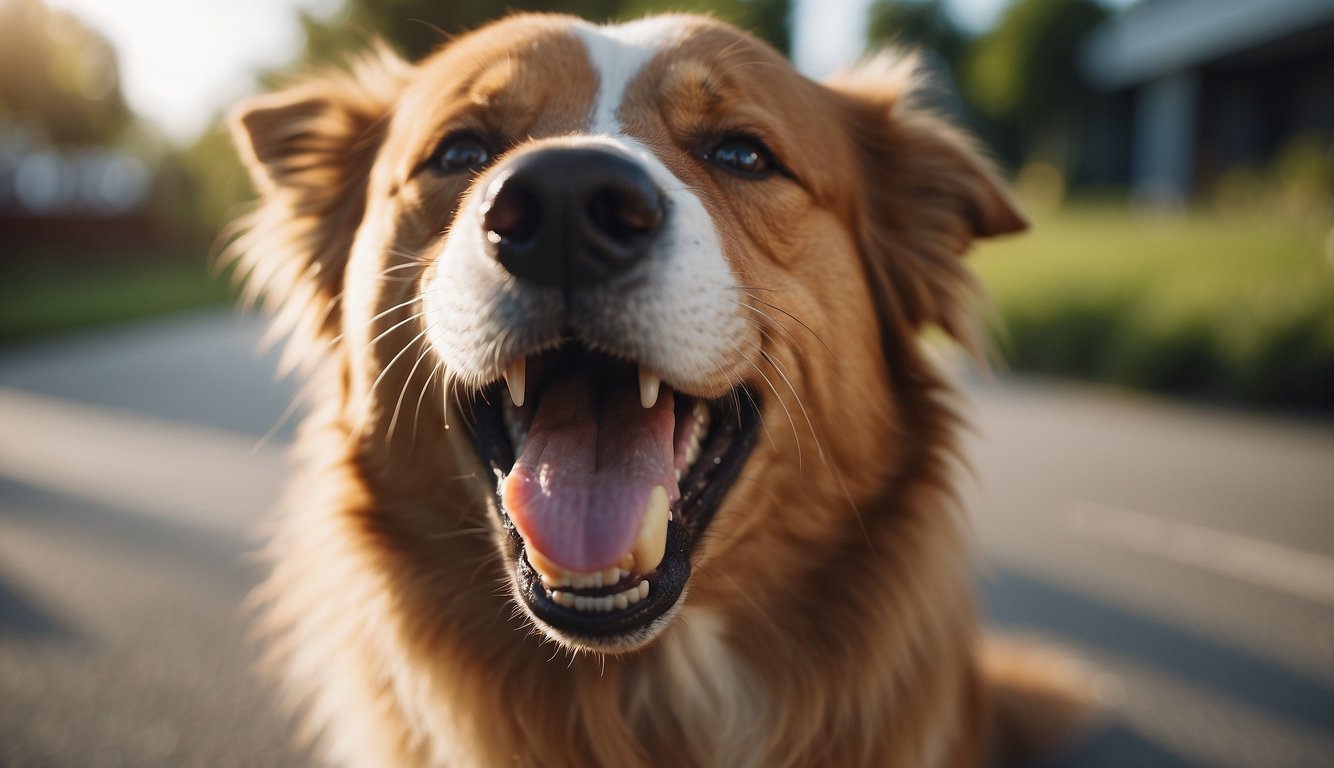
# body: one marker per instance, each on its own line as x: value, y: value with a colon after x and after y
x: 43, y: 297
x: 1237, y: 308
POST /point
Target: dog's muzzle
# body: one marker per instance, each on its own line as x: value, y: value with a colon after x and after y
x: 589, y: 293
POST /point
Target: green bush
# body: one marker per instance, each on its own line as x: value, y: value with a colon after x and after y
x: 1231, y: 307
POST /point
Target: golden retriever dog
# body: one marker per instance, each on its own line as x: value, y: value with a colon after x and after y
x: 623, y: 448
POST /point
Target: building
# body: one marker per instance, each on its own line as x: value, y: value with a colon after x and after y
x: 1196, y: 87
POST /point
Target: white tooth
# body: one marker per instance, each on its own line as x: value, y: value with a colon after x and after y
x: 580, y: 603
x: 611, y: 575
x: 643, y: 589
x: 620, y: 601
x: 562, y: 598
x: 515, y: 376
x: 627, y: 563
x: 649, y: 384
x: 678, y: 475
x: 631, y: 595
x: 604, y: 603
x: 652, y: 540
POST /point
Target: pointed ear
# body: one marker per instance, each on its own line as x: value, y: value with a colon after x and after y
x: 309, y: 150
x: 927, y: 193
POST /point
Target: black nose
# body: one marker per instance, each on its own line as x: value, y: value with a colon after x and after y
x: 571, y: 217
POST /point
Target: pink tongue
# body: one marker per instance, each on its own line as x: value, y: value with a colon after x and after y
x: 577, y: 492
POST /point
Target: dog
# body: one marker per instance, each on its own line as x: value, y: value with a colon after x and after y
x: 623, y: 447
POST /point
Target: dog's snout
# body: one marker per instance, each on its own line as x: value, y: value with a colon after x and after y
x: 571, y: 217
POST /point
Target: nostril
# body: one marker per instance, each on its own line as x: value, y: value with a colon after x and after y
x: 624, y: 215
x: 513, y: 215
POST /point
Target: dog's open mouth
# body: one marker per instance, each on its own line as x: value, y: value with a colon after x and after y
x: 607, y: 479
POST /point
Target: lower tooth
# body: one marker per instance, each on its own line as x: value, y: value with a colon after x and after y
x: 652, y: 540
x: 552, y: 574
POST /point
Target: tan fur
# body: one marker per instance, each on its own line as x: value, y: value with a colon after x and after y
x: 829, y: 620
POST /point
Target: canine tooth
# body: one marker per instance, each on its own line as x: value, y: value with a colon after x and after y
x: 515, y: 377
x: 551, y: 573
x: 649, y: 384
x: 643, y: 589
x: 562, y: 598
x: 652, y: 541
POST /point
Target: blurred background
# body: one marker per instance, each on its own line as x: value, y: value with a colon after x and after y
x: 1155, y: 455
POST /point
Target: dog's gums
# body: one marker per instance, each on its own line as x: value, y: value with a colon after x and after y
x: 598, y: 557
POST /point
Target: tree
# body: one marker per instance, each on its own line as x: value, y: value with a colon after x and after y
x: 1023, y: 74
x: 58, y: 77
x: 917, y: 24
x: 416, y: 27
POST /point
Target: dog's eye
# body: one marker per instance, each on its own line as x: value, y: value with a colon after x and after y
x: 461, y: 153
x: 743, y: 156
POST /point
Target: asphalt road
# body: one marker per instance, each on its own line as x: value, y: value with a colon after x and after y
x: 1185, y: 555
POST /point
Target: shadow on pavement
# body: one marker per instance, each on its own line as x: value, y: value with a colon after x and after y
x: 20, y: 616
x: 1115, y: 747
x: 1014, y: 600
x: 197, y: 367
x: 128, y: 530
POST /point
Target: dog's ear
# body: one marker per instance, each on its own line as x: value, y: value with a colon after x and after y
x: 926, y: 194
x: 309, y: 150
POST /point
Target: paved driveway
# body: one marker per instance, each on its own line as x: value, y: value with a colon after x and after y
x: 1188, y: 554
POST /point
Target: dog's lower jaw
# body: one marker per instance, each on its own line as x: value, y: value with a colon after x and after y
x: 450, y: 667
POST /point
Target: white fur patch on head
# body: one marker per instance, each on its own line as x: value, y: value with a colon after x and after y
x: 618, y: 52
x: 686, y: 326
x: 682, y: 320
